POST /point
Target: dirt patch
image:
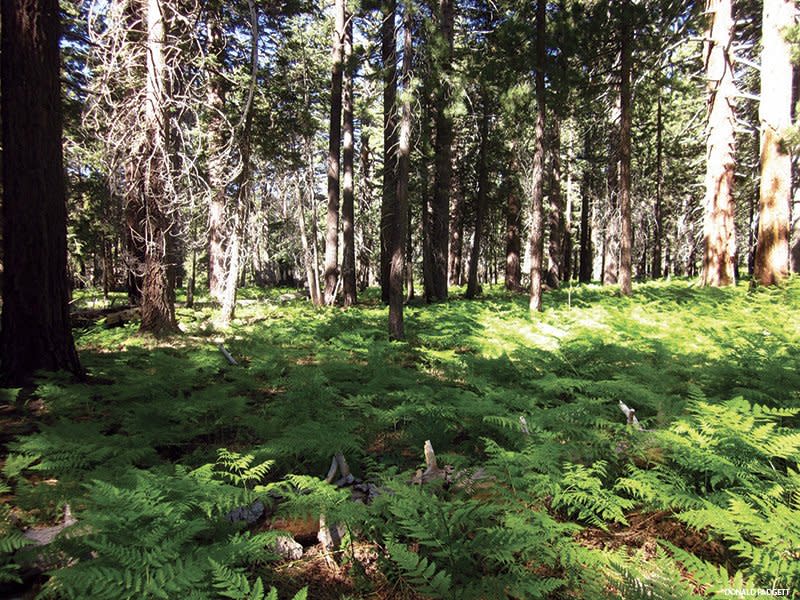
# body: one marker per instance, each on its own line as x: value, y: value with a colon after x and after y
x: 326, y: 580
x: 645, y: 529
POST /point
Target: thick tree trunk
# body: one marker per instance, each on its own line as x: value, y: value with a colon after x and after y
x: 400, y: 212
x: 772, y: 254
x: 389, y: 61
x: 218, y: 150
x: 536, y: 246
x: 626, y: 231
x: 719, y: 236
x: 348, y: 201
x: 158, y: 290
x: 35, y: 322
x: 440, y: 208
x: 482, y: 200
x: 334, y: 140
x: 555, y: 217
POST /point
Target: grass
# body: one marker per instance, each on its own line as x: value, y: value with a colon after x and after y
x: 613, y: 508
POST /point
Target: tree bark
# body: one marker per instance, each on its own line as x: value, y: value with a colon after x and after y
x: 389, y: 61
x: 334, y: 140
x: 400, y: 212
x: 555, y: 254
x: 657, y: 215
x: 611, y: 233
x: 719, y: 236
x: 440, y: 207
x: 587, y: 190
x: 218, y: 150
x: 35, y: 321
x: 626, y: 231
x: 513, y: 278
x: 772, y: 253
x: 348, y: 216
x: 134, y: 237
x: 365, y: 231
x: 456, y: 228
x: 536, y: 246
x: 482, y: 200
x: 158, y: 290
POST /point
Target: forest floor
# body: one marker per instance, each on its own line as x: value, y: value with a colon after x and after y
x: 548, y: 492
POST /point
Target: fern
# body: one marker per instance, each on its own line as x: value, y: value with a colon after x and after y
x: 233, y: 583
x: 154, y: 536
x: 239, y: 469
x: 582, y: 493
x: 11, y: 540
x: 420, y: 574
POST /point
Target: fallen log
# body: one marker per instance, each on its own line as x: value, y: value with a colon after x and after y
x: 122, y: 317
x: 227, y: 355
x: 89, y: 317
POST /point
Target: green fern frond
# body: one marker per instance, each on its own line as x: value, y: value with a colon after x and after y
x: 420, y: 574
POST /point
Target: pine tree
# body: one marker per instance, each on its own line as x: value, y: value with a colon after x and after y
x: 35, y: 322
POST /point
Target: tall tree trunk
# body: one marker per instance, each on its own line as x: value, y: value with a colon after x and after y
x: 567, y: 244
x: 513, y: 242
x: 719, y: 236
x: 555, y: 254
x: 232, y: 275
x: 308, y: 257
x: 389, y: 61
x: 239, y: 228
x: 483, y: 191
x: 795, y: 250
x: 610, y: 270
x: 658, y: 218
x: 626, y: 231
x: 456, y: 227
x: 426, y: 194
x: 218, y: 150
x: 158, y: 290
x: 536, y: 246
x: 400, y: 212
x: 440, y: 213
x: 35, y: 330
x: 192, y: 279
x: 334, y: 140
x: 366, y: 239
x: 134, y: 235
x: 409, y: 268
x: 586, y: 255
x: 348, y: 217
x: 772, y: 254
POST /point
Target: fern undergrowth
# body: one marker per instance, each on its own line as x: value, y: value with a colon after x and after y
x: 550, y: 493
